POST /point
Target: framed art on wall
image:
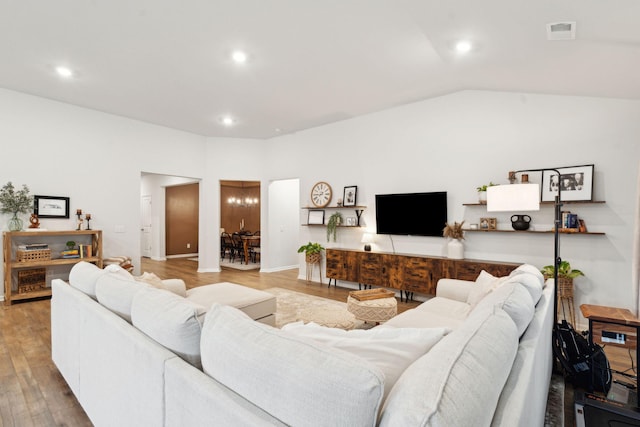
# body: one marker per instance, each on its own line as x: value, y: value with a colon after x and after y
x: 488, y: 223
x: 316, y: 217
x: 51, y: 206
x: 576, y: 183
x: 350, y: 195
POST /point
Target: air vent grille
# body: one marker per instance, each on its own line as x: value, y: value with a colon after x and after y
x: 561, y: 30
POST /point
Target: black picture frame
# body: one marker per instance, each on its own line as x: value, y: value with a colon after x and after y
x: 51, y: 207
x: 350, y: 195
x: 576, y: 181
x: 316, y: 217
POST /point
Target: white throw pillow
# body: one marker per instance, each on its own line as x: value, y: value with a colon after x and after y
x: 177, y: 286
x: 172, y: 321
x: 391, y: 349
x: 485, y: 284
x: 115, y: 292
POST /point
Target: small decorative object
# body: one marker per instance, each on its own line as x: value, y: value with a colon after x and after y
x: 358, y: 215
x: 88, y: 218
x: 367, y: 239
x: 488, y: 223
x: 70, y: 245
x: 512, y: 177
x: 520, y: 222
x: 576, y: 183
x: 15, y: 202
x: 339, y: 203
x: 321, y: 194
x: 79, y: 214
x: 316, y: 217
x: 51, y: 206
x: 482, y: 192
x: 351, y: 221
x: 455, y: 247
x: 35, y: 222
x: 473, y: 226
x: 350, y: 195
x: 332, y: 225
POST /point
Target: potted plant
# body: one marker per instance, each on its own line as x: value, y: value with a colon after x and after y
x: 15, y: 202
x: 566, y: 274
x: 312, y: 252
x: 455, y: 233
x: 332, y: 225
x: 482, y: 192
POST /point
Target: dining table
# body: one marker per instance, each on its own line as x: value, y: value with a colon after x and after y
x: 245, y: 243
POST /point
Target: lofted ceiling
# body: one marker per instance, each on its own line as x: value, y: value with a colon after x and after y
x: 310, y: 62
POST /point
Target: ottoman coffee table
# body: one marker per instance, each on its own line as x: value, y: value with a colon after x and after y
x: 371, y: 307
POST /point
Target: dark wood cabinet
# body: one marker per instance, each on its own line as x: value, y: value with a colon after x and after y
x: 411, y: 273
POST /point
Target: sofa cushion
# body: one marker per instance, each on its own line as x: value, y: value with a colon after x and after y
x: 83, y: 276
x: 485, y: 283
x: 172, y: 321
x: 514, y: 299
x: 177, y: 286
x: 446, y: 307
x: 533, y: 283
x: 528, y: 269
x: 116, y: 291
x: 416, y: 318
x: 459, y: 381
x: 390, y: 349
x: 296, y: 380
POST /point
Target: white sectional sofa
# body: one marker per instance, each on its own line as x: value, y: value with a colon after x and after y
x: 479, y: 353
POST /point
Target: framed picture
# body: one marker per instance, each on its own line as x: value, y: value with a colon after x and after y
x: 316, y: 217
x: 576, y: 183
x: 51, y: 206
x: 350, y: 195
x: 488, y: 223
x: 351, y: 221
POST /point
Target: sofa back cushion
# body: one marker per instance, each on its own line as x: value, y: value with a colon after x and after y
x: 459, y: 381
x: 296, y: 380
x: 171, y: 320
x: 514, y: 299
x: 529, y: 277
x: 116, y: 291
x: 83, y: 276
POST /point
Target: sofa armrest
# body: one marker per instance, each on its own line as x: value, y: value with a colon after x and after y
x: 177, y: 286
x: 454, y: 289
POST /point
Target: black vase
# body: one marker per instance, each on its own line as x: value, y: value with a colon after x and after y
x: 520, y: 222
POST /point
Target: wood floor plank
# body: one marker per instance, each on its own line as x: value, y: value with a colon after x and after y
x: 32, y: 391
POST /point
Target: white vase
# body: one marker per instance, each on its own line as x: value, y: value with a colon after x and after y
x: 455, y: 249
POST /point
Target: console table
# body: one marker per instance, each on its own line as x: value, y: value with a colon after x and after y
x: 406, y: 272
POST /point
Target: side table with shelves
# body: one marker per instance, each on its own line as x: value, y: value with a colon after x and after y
x: 35, y: 269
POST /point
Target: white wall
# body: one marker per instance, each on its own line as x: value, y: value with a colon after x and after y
x: 460, y: 141
x: 284, y: 226
x: 94, y: 158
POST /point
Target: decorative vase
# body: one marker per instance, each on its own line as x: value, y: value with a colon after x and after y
x: 15, y: 223
x: 482, y: 197
x: 520, y: 222
x: 455, y: 249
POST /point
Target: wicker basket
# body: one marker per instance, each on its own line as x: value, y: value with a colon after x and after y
x: 565, y: 287
x: 33, y: 255
x: 313, y: 258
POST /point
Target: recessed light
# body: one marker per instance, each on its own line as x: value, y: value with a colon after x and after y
x: 228, y: 121
x: 64, y: 72
x: 463, y: 46
x: 239, y: 57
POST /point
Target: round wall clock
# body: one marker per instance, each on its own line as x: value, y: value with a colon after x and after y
x: 321, y: 194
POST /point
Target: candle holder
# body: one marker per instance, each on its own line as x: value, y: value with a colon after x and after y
x: 88, y: 218
x: 79, y: 227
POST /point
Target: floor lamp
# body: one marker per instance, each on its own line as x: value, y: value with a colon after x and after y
x: 526, y: 197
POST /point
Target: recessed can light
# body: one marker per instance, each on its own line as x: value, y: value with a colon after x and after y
x: 64, y: 72
x: 463, y: 46
x: 239, y: 57
x: 228, y: 121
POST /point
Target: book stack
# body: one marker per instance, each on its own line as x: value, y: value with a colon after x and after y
x: 33, y: 247
x: 70, y: 253
x: 571, y: 223
x: 85, y: 251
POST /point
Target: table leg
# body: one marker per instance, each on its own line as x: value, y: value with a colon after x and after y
x: 246, y: 250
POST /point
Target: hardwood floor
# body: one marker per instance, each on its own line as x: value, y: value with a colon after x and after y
x: 32, y: 391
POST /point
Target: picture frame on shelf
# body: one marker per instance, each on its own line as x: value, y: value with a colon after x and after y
x: 316, y: 217
x: 351, y: 221
x: 488, y: 223
x: 576, y: 183
x: 51, y: 206
x: 350, y: 196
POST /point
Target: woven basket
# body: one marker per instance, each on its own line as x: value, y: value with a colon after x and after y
x: 312, y: 258
x: 34, y: 255
x: 565, y: 287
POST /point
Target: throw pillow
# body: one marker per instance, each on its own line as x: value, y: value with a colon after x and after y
x: 391, y: 349
x: 177, y: 286
x: 151, y: 279
x: 83, y: 276
x: 485, y: 283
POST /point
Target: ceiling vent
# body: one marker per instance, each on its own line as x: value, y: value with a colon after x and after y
x: 561, y: 31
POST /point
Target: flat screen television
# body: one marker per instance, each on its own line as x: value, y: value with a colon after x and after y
x: 411, y: 214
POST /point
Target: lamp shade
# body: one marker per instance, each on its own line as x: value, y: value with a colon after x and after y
x: 513, y: 197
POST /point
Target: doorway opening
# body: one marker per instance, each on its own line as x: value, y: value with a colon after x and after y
x: 240, y: 234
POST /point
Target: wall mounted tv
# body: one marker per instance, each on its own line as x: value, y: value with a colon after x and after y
x: 414, y: 214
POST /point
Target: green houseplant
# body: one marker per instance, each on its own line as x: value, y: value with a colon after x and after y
x: 15, y: 202
x: 332, y: 225
x: 312, y: 251
x: 566, y: 274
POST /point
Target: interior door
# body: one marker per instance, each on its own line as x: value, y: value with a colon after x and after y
x: 145, y: 226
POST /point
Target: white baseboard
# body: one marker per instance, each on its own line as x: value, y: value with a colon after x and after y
x: 276, y: 269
